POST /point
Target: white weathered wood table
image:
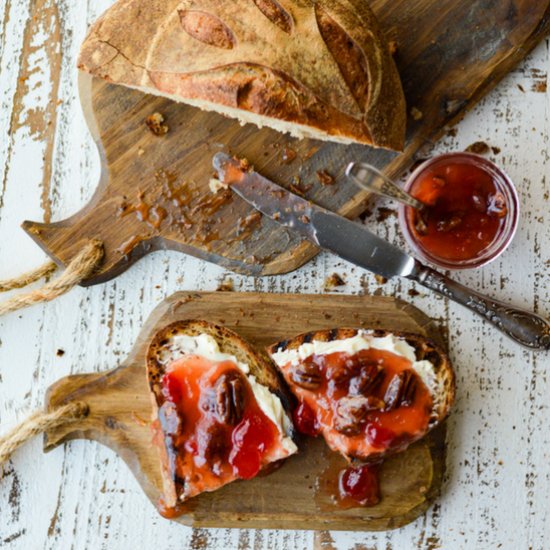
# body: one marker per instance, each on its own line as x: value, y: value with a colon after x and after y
x: 496, y: 490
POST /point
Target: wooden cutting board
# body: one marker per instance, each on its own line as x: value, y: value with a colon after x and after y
x: 296, y: 496
x: 154, y: 191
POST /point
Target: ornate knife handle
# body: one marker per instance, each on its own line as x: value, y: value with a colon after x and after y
x: 524, y: 327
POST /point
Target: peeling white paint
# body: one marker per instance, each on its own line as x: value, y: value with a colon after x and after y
x: 498, y: 479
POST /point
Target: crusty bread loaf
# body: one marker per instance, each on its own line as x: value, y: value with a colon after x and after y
x: 443, y: 392
x: 316, y: 68
x: 160, y: 355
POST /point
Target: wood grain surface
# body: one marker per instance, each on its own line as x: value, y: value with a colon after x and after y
x: 497, y: 437
x: 296, y: 495
x: 154, y: 191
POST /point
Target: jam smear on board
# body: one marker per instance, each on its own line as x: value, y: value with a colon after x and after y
x: 465, y: 211
x: 211, y: 426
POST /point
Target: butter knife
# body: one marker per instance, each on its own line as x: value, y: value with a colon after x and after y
x: 355, y: 243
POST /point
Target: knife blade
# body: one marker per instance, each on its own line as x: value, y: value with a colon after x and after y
x: 349, y: 240
x: 355, y: 243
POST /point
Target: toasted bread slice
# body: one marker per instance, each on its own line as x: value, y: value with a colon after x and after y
x: 207, y: 385
x: 370, y: 393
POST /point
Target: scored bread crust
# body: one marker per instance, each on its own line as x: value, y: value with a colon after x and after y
x: 424, y: 349
x: 316, y: 68
x: 229, y: 342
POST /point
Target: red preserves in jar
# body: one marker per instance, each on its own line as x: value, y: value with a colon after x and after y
x: 471, y: 211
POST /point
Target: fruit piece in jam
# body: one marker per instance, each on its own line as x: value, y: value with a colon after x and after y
x: 211, y: 428
x: 364, y: 404
x: 465, y: 211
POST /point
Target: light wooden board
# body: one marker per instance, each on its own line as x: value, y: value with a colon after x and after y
x: 448, y: 57
x: 293, y: 496
x: 497, y: 436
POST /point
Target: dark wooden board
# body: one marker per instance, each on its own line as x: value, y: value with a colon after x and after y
x: 449, y: 55
x: 289, y: 498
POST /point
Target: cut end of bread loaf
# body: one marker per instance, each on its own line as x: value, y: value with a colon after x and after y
x: 319, y: 69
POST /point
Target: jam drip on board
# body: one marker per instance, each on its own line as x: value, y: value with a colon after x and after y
x: 465, y: 211
x: 211, y: 427
x: 365, y: 405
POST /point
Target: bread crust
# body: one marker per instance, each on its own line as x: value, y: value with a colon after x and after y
x: 424, y: 349
x: 321, y: 65
x: 229, y: 342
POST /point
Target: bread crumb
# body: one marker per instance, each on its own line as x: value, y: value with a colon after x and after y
x: 60, y: 352
x: 226, y: 285
x: 141, y: 151
x: 417, y: 114
x: 288, y: 155
x: 244, y: 165
x: 334, y: 281
x: 325, y: 178
x: 155, y: 123
x: 381, y: 280
x: 479, y: 148
x: 216, y: 185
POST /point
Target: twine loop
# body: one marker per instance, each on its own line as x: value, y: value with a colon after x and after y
x: 37, y: 423
x: 80, y: 268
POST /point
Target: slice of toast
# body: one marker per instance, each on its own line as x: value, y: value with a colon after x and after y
x: 209, y: 389
x: 370, y: 393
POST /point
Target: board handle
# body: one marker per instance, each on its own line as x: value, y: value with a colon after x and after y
x: 63, y: 393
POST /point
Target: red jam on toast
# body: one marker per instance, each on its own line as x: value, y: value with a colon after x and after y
x: 212, y: 427
x: 364, y: 404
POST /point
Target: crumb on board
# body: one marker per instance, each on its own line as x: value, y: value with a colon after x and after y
x: 413, y: 292
x: 296, y: 190
x: 325, y: 178
x: 155, y: 123
x: 381, y: 280
x: 333, y: 281
x: 288, y: 155
x: 417, y: 114
x: 244, y: 164
x: 60, y: 352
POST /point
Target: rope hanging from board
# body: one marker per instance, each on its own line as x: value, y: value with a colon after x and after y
x: 37, y: 423
x: 29, y: 277
x: 81, y: 267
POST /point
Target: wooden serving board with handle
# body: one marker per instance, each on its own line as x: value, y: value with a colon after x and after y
x: 298, y: 494
x: 154, y: 191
